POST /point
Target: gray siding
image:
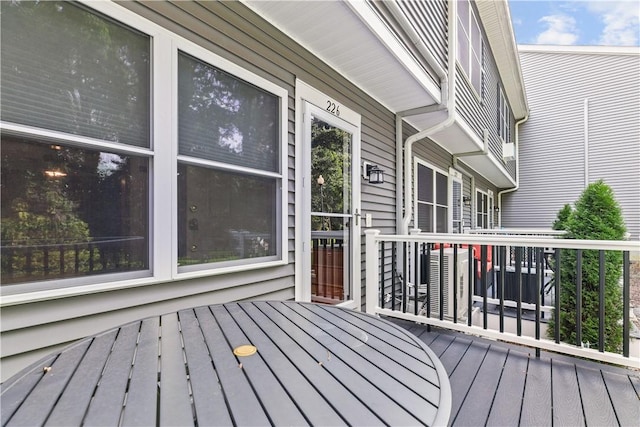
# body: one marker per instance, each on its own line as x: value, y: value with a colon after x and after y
x: 232, y: 31
x: 480, y: 110
x: 552, y: 141
x: 429, y: 18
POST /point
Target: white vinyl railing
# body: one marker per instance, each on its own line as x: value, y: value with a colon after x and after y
x: 401, y: 282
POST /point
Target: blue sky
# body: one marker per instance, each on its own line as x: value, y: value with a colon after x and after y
x: 570, y: 22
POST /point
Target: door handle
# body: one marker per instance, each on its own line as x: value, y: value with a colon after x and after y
x: 356, y: 216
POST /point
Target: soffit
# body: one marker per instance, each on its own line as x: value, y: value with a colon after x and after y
x: 342, y: 37
x: 496, y: 21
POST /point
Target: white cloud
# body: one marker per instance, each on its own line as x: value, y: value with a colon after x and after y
x: 621, y: 21
x: 561, y: 30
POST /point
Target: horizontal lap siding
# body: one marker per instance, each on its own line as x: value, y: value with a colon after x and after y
x: 429, y: 18
x: 552, y: 141
x: 234, y: 32
x: 480, y: 110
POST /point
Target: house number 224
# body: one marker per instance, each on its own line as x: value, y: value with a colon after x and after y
x: 333, y: 108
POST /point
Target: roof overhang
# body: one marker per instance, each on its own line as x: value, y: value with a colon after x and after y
x: 496, y: 20
x: 353, y: 39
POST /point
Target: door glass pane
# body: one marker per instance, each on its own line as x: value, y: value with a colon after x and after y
x: 71, y: 212
x: 330, y: 189
x: 330, y: 168
x: 71, y: 70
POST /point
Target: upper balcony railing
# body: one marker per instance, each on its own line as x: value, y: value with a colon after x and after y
x: 508, y: 285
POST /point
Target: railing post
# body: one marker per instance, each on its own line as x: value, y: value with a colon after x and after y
x: 372, y: 268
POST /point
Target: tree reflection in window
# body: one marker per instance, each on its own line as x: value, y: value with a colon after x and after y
x: 331, y: 158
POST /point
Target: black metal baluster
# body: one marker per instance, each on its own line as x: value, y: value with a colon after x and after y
x: 519, y: 290
x: 428, y: 287
x: 578, y: 298
x: 455, y: 283
x: 472, y: 274
x: 539, y: 288
x: 601, y: 308
x: 416, y: 278
x: 625, y: 301
x: 405, y: 258
x: 382, y: 287
x: 502, y: 261
x: 483, y: 281
x: 394, y: 272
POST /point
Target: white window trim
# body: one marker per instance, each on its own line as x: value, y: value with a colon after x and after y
x: 163, y: 264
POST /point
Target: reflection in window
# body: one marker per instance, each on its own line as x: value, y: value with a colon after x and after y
x: 224, y: 119
x: 224, y: 216
x: 70, y: 212
x: 67, y: 69
x: 331, y: 173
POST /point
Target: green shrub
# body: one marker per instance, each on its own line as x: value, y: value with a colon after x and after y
x: 597, y: 216
x: 563, y: 216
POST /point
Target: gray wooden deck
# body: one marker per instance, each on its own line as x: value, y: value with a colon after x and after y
x: 499, y: 384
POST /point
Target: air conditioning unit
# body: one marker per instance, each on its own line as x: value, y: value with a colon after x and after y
x: 461, y: 289
x: 508, y: 151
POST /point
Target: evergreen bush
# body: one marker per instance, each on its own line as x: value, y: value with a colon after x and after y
x: 597, y: 216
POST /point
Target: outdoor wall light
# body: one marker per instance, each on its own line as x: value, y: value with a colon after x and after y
x: 497, y: 209
x: 466, y: 200
x: 373, y: 173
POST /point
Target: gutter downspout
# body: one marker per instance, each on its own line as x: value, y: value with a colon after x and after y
x: 510, y: 190
x: 447, y: 88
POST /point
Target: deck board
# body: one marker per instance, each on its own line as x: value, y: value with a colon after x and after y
x: 567, y: 405
x: 507, y: 385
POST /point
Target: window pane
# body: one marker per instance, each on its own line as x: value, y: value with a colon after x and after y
x: 225, y: 119
x: 441, y: 220
x: 442, y: 189
x: 224, y: 216
x: 425, y: 217
x: 69, y: 212
x: 425, y: 184
x: 67, y: 69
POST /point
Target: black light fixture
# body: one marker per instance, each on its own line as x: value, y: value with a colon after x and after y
x: 466, y: 200
x: 496, y: 208
x: 373, y: 173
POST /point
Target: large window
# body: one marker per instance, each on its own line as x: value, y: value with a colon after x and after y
x: 75, y: 90
x: 469, y: 53
x: 130, y: 151
x: 223, y: 122
x: 432, y: 199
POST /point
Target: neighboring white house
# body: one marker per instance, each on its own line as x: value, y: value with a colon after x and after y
x: 584, y: 125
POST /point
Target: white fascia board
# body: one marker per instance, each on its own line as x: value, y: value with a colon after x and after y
x: 497, y: 19
x: 388, y: 38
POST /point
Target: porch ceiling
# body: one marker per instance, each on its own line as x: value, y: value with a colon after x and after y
x: 352, y: 40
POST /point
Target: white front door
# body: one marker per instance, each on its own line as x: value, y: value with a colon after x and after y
x: 331, y: 207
